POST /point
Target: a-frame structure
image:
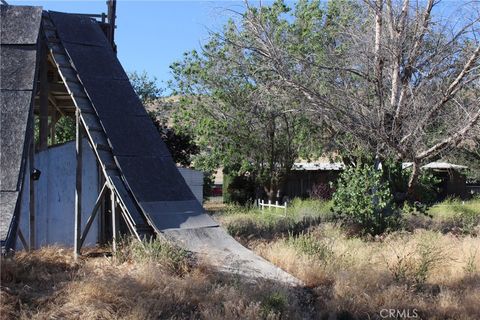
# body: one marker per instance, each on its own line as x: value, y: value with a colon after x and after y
x: 74, y: 72
x: 57, y: 65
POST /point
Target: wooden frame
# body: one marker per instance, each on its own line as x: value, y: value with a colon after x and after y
x: 60, y: 97
x: 78, y: 184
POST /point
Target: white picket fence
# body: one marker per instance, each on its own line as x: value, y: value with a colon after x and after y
x: 269, y: 205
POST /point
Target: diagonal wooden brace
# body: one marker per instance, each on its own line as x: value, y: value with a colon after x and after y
x: 93, y: 214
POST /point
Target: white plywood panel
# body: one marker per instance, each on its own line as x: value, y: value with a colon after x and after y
x: 55, y: 196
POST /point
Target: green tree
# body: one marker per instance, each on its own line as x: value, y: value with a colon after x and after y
x: 396, y: 79
x: 239, y: 116
x: 145, y: 86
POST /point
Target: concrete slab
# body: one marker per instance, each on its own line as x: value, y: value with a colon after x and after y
x: 223, y: 252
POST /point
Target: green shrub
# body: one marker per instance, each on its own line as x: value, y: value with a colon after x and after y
x: 425, y: 193
x: 364, y: 199
x: 308, y: 244
x: 274, y: 304
x: 158, y: 251
x: 238, y: 189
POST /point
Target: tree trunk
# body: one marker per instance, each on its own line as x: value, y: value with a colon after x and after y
x: 412, y: 182
x: 271, y: 193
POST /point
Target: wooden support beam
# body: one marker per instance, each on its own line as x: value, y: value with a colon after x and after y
x: 128, y: 222
x: 58, y: 87
x: 58, y: 109
x: 53, y: 123
x: 97, y: 205
x: 102, y: 223
x: 31, y: 204
x: 22, y: 239
x: 65, y: 103
x: 43, y: 134
x: 78, y: 185
x: 114, y: 220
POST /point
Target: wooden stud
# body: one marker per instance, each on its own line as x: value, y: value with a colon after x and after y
x: 97, y: 205
x: 114, y: 220
x: 22, y: 239
x: 78, y: 185
x: 43, y: 134
x: 101, y: 220
x: 53, y: 123
x: 31, y: 204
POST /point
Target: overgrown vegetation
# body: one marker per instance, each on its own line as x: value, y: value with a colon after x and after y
x: 153, y: 280
x: 364, y: 199
x: 450, y: 216
x: 252, y: 222
x: 436, y: 274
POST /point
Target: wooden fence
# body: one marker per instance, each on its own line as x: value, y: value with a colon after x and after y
x: 269, y: 205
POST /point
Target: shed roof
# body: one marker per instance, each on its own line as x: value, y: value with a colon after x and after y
x: 318, y: 166
x: 338, y: 166
x: 437, y: 165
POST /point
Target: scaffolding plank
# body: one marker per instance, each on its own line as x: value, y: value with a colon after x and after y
x: 61, y: 60
x: 76, y: 89
x: 91, y: 120
x: 69, y: 74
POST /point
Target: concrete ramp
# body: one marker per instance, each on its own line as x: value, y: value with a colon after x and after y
x: 147, y: 173
x: 223, y: 252
x: 136, y: 164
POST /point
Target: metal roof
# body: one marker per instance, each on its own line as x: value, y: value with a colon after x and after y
x: 318, y: 166
x: 338, y: 166
x: 437, y: 165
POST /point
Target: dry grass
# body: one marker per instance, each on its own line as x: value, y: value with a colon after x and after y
x: 48, y: 284
x: 434, y: 273
x: 437, y: 273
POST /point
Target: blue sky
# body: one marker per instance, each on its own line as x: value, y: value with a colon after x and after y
x: 150, y: 35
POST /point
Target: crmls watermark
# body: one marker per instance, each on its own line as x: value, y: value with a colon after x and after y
x: 399, y: 314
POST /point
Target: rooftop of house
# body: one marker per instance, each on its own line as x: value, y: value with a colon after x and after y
x: 338, y: 166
